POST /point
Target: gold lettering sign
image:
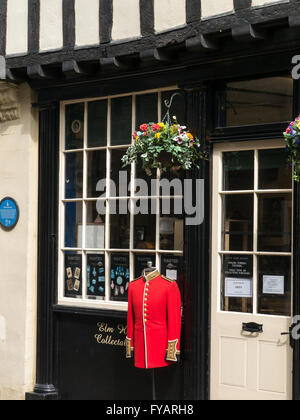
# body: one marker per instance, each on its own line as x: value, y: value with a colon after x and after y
x: 110, y: 336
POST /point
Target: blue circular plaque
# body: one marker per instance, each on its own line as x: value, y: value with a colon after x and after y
x: 9, y: 213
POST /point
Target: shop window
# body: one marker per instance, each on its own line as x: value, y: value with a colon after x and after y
x: 256, y: 236
x: 255, y: 102
x: 109, y: 234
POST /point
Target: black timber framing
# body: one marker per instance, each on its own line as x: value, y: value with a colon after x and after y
x: 193, y: 11
x: 69, y: 24
x: 270, y: 18
x: 147, y: 17
x: 3, y: 12
x: 105, y: 20
x: 33, y: 26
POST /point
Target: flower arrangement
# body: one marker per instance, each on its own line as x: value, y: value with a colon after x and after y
x: 292, y: 139
x: 164, y: 146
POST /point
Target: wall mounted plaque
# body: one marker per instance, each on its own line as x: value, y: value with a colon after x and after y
x: 9, y: 213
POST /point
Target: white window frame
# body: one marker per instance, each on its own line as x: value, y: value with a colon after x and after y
x: 217, y: 218
x: 83, y: 301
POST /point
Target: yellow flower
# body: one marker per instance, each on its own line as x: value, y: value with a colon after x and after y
x: 162, y: 126
x: 190, y: 136
x: 298, y: 124
x: 157, y: 135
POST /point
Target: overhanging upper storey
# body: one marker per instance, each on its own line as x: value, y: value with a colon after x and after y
x: 63, y: 39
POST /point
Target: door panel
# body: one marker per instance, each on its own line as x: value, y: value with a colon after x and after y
x: 249, y: 284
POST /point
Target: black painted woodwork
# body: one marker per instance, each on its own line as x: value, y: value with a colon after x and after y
x: 273, y: 18
x: 69, y: 24
x: 193, y: 11
x: 33, y: 26
x: 47, y: 250
x: 197, y: 263
x: 296, y: 265
x: 105, y: 20
x: 3, y: 10
x: 147, y: 17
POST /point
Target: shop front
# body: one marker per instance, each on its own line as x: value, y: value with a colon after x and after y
x: 236, y: 268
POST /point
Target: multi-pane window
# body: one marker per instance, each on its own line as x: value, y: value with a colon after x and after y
x: 255, y: 246
x: 108, y: 231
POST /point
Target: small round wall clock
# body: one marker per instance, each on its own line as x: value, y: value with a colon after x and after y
x: 9, y: 213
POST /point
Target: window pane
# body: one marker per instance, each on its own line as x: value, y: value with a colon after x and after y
x: 74, y: 126
x: 119, y: 224
x: 144, y: 224
x: 238, y: 222
x: 144, y: 182
x: 237, y: 283
x: 141, y: 262
x: 146, y: 109
x: 274, y: 227
x: 96, y: 172
x: 73, y: 274
x: 259, y: 101
x: 121, y: 180
x: 73, y: 225
x: 238, y: 168
x: 95, y: 227
x: 274, y: 171
x: 274, y: 286
x: 120, y: 277
x: 172, y: 266
x: 121, y: 121
x: 97, y: 124
x: 177, y: 108
x: 96, y: 276
x: 171, y: 225
x: 74, y: 175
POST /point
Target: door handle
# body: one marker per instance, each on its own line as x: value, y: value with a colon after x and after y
x: 253, y: 327
x: 290, y: 334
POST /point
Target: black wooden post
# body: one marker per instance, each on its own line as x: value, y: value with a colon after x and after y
x: 47, y: 251
x: 197, y: 257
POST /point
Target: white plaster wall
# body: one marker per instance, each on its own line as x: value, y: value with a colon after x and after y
x: 126, y: 19
x: 17, y: 27
x: 18, y: 250
x: 216, y: 7
x: 169, y: 14
x: 263, y: 2
x: 51, y: 25
x: 87, y: 22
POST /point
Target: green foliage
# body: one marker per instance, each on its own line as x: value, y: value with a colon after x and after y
x: 164, y: 146
x: 292, y: 139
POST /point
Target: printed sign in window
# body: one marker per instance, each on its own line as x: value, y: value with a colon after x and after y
x: 273, y: 285
x: 238, y: 287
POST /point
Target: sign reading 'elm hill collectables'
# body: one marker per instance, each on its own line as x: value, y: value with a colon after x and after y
x: 9, y: 213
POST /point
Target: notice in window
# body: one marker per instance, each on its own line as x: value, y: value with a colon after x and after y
x: 120, y: 277
x: 238, y: 288
x: 273, y: 285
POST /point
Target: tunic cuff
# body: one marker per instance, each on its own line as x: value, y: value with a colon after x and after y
x: 172, y: 351
x: 129, y: 348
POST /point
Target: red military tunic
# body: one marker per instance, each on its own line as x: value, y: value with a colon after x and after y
x: 154, y: 321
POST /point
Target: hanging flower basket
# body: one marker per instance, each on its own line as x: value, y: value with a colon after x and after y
x: 292, y: 139
x: 165, y: 146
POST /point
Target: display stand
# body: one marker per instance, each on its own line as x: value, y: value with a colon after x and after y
x: 150, y: 269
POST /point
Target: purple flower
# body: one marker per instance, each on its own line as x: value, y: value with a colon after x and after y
x: 178, y: 139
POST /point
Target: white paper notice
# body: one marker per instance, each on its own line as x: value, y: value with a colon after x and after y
x: 239, y: 288
x: 273, y: 285
x: 172, y: 274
